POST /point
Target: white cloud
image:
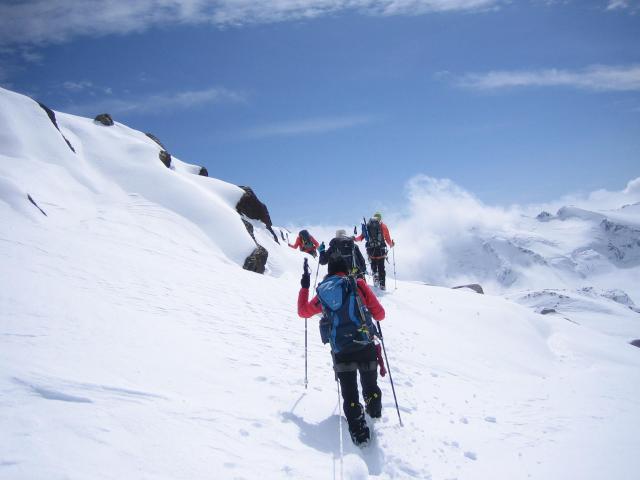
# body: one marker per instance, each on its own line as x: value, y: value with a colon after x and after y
x: 77, y: 86
x: 633, y: 187
x: 158, y: 102
x: 617, y: 4
x: 595, y: 78
x: 308, y: 126
x: 440, y: 218
x: 44, y: 21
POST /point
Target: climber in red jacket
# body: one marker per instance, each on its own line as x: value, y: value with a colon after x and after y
x: 306, y: 243
x: 347, y: 325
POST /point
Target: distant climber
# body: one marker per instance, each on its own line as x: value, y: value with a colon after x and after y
x: 306, y: 243
x: 377, y: 237
x: 347, y: 305
x: 346, y: 247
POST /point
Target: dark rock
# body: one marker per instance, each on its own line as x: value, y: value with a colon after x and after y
x: 155, y: 139
x: 251, y: 207
x: 635, y: 343
x: 36, y: 205
x: 249, y: 228
x: 473, y: 286
x: 52, y: 116
x: 105, y: 119
x: 203, y: 172
x: 544, y: 216
x: 547, y: 311
x: 165, y: 157
x: 257, y: 261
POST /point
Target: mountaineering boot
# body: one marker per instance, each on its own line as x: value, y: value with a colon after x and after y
x: 358, y: 428
x: 374, y: 405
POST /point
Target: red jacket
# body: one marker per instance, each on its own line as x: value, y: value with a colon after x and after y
x: 308, y: 308
x: 385, y: 234
x: 300, y: 245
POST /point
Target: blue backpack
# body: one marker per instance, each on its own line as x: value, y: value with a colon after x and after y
x: 345, y: 323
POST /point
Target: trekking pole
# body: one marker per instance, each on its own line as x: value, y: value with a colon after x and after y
x: 389, y: 370
x: 340, y: 430
x: 315, y: 282
x: 306, y: 379
x: 395, y: 280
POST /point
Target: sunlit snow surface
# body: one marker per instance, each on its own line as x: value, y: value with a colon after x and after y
x: 132, y: 344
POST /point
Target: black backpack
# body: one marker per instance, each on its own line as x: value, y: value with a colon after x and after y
x: 307, y: 244
x: 374, y: 229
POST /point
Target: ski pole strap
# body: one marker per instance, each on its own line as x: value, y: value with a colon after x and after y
x: 354, y: 366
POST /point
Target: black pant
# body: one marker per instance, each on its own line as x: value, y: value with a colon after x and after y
x: 349, y: 382
x: 377, y: 267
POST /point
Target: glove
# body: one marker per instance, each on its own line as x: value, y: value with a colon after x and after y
x: 305, y: 281
x: 393, y: 243
x: 321, y: 248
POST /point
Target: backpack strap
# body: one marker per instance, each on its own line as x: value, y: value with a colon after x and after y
x: 361, y: 317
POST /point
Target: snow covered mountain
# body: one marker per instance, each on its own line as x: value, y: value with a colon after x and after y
x: 454, y: 239
x: 134, y: 345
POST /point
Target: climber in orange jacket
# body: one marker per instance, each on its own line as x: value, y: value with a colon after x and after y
x: 306, y: 243
x: 378, y: 237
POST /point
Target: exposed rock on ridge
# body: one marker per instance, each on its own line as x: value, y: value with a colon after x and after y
x: 105, y: 119
x: 250, y: 206
x: 472, y: 286
x: 257, y: 261
x: 52, y: 117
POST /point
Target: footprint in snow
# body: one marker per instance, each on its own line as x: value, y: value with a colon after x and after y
x: 471, y: 455
x: 490, y: 419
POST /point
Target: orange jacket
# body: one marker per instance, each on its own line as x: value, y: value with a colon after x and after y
x: 385, y: 234
x: 300, y: 245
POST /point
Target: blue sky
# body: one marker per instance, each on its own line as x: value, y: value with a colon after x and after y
x: 327, y: 108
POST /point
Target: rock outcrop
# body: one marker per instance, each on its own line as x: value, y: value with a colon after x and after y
x: 251, y: 207
x: 165, y: 157
x: 52, y: 116
x: 203, y: 172
x: 104, y: 119
x: 155, y: 139
x: 472, y: 286
x: 544, y: 216
x: 35, y: 204
x: 257, y: 261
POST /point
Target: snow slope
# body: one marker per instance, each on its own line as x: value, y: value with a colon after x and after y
x: 132, y: 344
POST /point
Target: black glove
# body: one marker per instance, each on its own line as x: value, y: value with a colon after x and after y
x: 305, y: 281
